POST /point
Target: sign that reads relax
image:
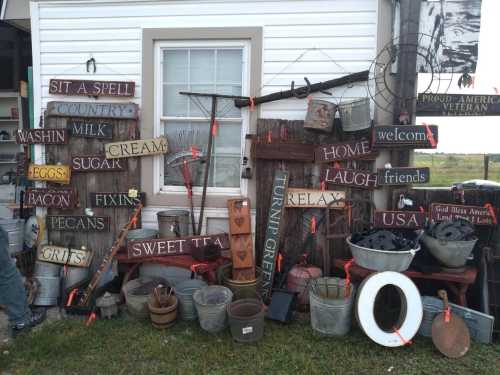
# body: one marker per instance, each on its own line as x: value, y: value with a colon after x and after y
x: 125, y: 111
x: 64, y: 198
x: 350, y: 177
x: 140, y: 147
x: 63, y: 255
x: 399, y: 219
x: 54, y: 173
x: 116, y: 199
x: 90, y: 128
x: 97, y: 163
x: 407, y: 136
x: 42, y: 136
x: 314, y: 198
x: 173, y: 246
x: 344, y: 151
x: 403, y: 176
x: 78, y: 223
x: 475, y: 214
x: 458, y: 105
x: 91, y: 88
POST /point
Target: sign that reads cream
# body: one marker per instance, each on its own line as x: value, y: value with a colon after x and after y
x: 314, y: 198
x: 63, y: 255
x: 53, y: 173
x: 140, y: 147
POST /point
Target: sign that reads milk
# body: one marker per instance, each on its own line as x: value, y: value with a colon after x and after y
x: 314, y: 198
x: 140, y: 147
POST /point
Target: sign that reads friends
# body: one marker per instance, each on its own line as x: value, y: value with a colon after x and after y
x: 314, y: 198
x: 124, y: 111
x: 350, y: 177
x: 78, y: 223
x: 475, y: 214
x: 399, y: 219
x: 116, y: 199
x: 140, y: 147
x: 119, y: 89
x: 53, y: 173
x: 90, y: 128
x: 63, y: 198
x: 458, y: 105
x: 42, y: 136
x: 97, y: 163
x: 403, y: 176
x: 63, y: 255
x: 344, y: 151
x: 173, y: 246
x: 407, y: 136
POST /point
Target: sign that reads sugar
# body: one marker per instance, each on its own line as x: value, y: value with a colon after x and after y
x: 90, y: 128
x: 314, y: 198
x: 405, y: 136
x: 403, y: 176
x: 121, y: 89
x: 63, y: 198
x: 475, y: 214
x: 124, y: 111
x: 140, y: 147
x: 97, y: 163
x: 174, y: 246
x: 42, y: 136
x: 458, y: 105
x: 399, y: 219
x: 53, y: 173
x: 78, y: 223
x: 63, y: 255
x: 344, y: 151
x: 350, y: 177
x: 116, y: 199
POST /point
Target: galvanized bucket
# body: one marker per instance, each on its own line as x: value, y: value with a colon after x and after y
x: 47, y: 269
x: 49, y: 289
x: 452, y: 254
x: 331, y: 306
x: 211, y: 304
x: 142, y: 234
x: 173, y: 275
x: 173, y: 223
x: 136, y: 293
x: 355, y: 115
x: 73, y: 276
x: 240, y: 289
x: 320, y: 115
x: 184, y: 292
x: 15, y: 234
x: 246, y: 319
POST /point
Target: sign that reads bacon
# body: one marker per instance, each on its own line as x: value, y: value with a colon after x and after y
x: 63, y: 198
x: 475, y: 214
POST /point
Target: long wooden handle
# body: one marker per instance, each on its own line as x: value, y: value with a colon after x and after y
x: 444, y: 296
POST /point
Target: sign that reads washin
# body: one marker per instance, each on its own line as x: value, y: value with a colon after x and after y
x: 42, y: 136
x: 140, y: 147
x: 458, y: 105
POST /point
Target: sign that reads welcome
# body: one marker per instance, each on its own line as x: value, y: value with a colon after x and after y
x: 344, y: 151
x: 124, y: 111
x: 119, y: 89
x: 314, y: 198
x: 458, y: 105
x: 63, y: 255
x: 78, y: 223
x: 140, y: 147
x: 116, y: 199
x: 97, y: 163
x: 90, y: 128
x: 399, y: 219
x: 42, y: 136
x: 53, y: 173
x: 406, y: 136
x: 475, y: 214
x: 350, y: 177
x: 403, y: 176
x: 63, y: 198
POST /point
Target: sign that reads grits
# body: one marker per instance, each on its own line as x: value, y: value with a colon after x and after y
x: 97, y: 163
x: 63, y: 255
x: 121, y: 199
x: 78, y: 223
x: 314, y: 198
x: 90, y: 128
x: 350, y: 177
x: 121, y: 89
x: 399, y: 219
x: 458, y: 105
x: 53, y: 173
x: 124, y: 111
x: 475, y: 214
x: 344, y: 151
x: 140, y: 147
x: 403, y: 176
x: 62, y: 198
x: 405, y: 136
x: 42, y: 136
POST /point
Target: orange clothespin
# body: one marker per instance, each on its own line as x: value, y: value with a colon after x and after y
x: 447, y: 315
x: 403, y: 340
x: 215, y: 127
x: 492, y: 212
x: 337, y: 165
x: 194, y: 151
x: 430, y: 136
x: 313, y: 225
x: 90, y: 319
x: 269, y: 136
x: 252, y: 103
x: 322, y: 185
x: 347, y: 266
x: 71, y: 297
x: 279, y: 262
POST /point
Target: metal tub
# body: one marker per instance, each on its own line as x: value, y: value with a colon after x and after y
x: 173, y: 223
x: 355, y: 115
x: 449, y: 253
x: 15, y: 234
x: 49, y: 289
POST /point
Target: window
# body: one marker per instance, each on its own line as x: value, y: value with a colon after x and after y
x: 206, y: 67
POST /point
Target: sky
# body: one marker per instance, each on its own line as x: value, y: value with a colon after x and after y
x: 475, y: 135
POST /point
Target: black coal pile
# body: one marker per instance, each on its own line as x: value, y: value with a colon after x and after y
x: 383, y: 240
x: 456, y: 230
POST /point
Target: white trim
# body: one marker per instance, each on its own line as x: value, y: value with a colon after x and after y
x: 2, y: 12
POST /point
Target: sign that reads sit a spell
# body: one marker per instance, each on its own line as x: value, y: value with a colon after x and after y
x: 403, y: 176
x: 124, y: 111
x: 475, y: 214
x: 78, y: 223
x: 91, y: 88
x: 405, y: 136
x: 173, y: 246
x: 53, y: 173
x: 458, y: 105
x: 344, y: 151
x: 97, y: 163
x: 116, y: 199
x: 140, y: 147
x: 350, y: 177
x: 63, y: 255
x: 90, y: 128
x: 314, y: 198
x: 42, y: 136
x: 63, y: 198
x: 399, y: 219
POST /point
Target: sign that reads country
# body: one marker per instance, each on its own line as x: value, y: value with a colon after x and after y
x: 97, y: 163
x: 350, y: 177
x: 475, y: 214
x: 315, y: 198
x: 399, y: 219
x: 90, y: 128
x: 124, y: 111
x: 63, y: 255
x: 62, y: 198
x: 140, y: 147
x: 42, y: 136
x: 174, y: 246
x: 78, y: 223
x: 458, y: 105
x: 403, y: 176
x: 116, y: 199
x: 344, y: 151
x: 405, y: 136
x: 53, y: 173
x: 121, y: 89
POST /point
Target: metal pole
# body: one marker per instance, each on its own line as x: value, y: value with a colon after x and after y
x: 486, y: 166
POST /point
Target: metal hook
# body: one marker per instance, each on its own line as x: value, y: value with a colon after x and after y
x: 304, y: 91
x: 93, y: 62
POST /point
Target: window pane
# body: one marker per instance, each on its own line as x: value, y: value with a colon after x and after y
x: 174, y: 104
x: 202, y: 65
x: 175, y: 66
x: 225, y: 107
x: 229, y: 66
x: 201, y: 106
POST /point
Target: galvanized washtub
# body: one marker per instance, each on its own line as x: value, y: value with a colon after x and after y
x: 452, y: 254
x: 74, y: 276
x: 15, y: 234
x: 355, y: 115
x: 173, y: 223
x: 47, y: 275
x: 142, y: 234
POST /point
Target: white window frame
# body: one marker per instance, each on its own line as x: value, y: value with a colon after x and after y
x: 158, y: 167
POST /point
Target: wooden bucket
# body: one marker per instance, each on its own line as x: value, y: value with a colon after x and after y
x: 162, y: 317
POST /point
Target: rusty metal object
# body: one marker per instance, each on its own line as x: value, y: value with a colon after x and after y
x: 320, y: 115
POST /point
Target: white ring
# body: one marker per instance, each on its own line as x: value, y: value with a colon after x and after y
x: 365, y: 303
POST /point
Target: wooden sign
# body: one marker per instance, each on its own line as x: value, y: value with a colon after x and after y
x: 314, y: 198
x: 78, y: 223
x: 475, y: 214
x: 63, y: 198
x: 283, y: 151
x: 458, y: 105
x: 405, y: 136
x: 90, y: 128
x: 63, y: 255
x: 54, y: 173
x: 121, y: 199
x: 403, y: 176
x: 97, y: 163
x: 344, y: 151
x: 239, y: 216
x: 240, y: 232
x: 42, y: 136
x: 350, y: 177
x: 173, y: 246
x: 399, y: 219
x: 273, y: 231
x: 140, y: 147
x: 119, y: 89
x: 125, y: 111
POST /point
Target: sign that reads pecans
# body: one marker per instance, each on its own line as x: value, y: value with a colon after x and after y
x: 403, y: 176
x: 475, y: 214
x: 140, y: 147
x: 344, y: 151
x: 97, y: 163
x: 121, y: 89
x: 350, y: 177
x: 42, y: 136
x: 78, y: 223
x: 90, y: 128
x: 121, y: 199
x: 63, y: 198
x: 405, y: 136
x: 399, y: 219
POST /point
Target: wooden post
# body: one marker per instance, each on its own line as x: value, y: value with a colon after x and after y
x: 486, y: 166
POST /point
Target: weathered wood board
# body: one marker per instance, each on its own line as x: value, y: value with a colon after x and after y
x: 60, y: 174
x: 399, y: 219
x: 90, y: 128
x: 139, y: 147
x: 344, y: 151
x: 309, y: 198
x: 78, y: 223
x: 403, y: 176
x: 63, y: 255
x: 120, y: 89
x: 62, y: 198
x: 42, y: 136
x: 475, y: 214
x: 283, y: 151
x: 240, y: 233
x: 123, y: 111
x: 121, y: 199
x: 96, y: 163
x: 350, y: 177
x: 458, y: 105
x: 405, y: 136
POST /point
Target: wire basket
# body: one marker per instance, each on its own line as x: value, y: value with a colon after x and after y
x: 25, y: 261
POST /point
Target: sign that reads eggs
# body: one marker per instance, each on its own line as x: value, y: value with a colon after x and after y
x: 53, y: 173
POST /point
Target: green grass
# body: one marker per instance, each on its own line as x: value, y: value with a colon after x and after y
x: 124, y: 346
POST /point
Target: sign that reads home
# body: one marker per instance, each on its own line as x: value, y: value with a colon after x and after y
x: 78, y: 223
x: 97, y: 163
x: 458, y: 105
x: 124, y: 111
x: 63, y: 198
x: 350, y: 177
x: 344, y: 151
x: 90, y: 128
x: 63, y: 255
x: 399, y: 219
x: 91, y: 88
x: 403, y: 176
x: 53, y: 173
x: 174, y: 246
x: 314, y: 198
x: 116, y: 199
x: 475, y: 214
x: 42, y: 136
x: 405, y: 136
x: 140, y: 147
